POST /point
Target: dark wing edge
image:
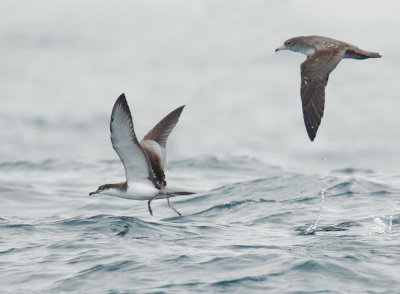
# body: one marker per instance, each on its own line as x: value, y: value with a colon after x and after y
x: 161, y: 131
x: 126, y: 135
x: 314, y: 78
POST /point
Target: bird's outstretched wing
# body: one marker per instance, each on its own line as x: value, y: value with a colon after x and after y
x: 154, y: 143
x: 314, y: 78
x: 124, y: 141
x: 162, y: 130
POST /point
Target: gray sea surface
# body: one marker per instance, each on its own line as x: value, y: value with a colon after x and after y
x: 273, y: 213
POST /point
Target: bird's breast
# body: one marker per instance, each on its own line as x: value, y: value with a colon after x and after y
x: 141, y: 191
x: 136, y: 191
x: 309, y: 51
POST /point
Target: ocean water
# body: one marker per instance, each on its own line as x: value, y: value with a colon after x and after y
x: 275, y: 231
x: 273, y: 213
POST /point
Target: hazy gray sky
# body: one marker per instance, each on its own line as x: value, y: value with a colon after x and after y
x: 63, y: 64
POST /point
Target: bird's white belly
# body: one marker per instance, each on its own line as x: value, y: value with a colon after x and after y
x: 137, y: 191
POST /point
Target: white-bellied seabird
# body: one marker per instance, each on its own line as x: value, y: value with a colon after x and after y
x: 144, y: 162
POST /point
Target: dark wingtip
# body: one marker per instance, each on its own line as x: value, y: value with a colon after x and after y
x: 121, y: 97
x: 121, y: 100
x: 180, y: 108
x: 311, y: 135
x: 177, y: 111
x: 374, y: 55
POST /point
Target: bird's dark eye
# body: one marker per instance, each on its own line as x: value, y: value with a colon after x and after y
x: 288, y: 42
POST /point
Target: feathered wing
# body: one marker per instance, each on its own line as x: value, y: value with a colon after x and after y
x: 154, y: 143
x: 124, y: 141
x: 162, y: 130
x: 314, y: 78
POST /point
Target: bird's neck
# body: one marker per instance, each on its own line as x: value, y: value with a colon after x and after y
x: 306, y: 50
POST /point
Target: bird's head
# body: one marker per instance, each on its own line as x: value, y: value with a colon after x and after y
x: 100, y: 190
x: 110, y: 189
x: 292, y: 44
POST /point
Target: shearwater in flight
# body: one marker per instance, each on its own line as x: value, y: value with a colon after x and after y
x: 323, y: 55
x: 144, y: 162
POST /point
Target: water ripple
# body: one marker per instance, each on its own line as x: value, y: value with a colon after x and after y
x: 244, y: 234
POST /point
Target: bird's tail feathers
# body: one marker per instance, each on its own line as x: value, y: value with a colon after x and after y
x: 361, y: 54
x: 168, y: 191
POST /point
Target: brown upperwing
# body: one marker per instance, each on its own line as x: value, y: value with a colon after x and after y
x: 314, y: 78
x: 160, y: 135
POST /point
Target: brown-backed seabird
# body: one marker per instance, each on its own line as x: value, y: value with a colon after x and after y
x: 323, y: 55
x: 144, y: 162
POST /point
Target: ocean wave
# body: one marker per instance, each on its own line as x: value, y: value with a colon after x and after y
x: 252, y: 225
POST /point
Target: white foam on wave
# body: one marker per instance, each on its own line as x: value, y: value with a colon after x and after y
x: 314, y: 226
x: 381, y: 226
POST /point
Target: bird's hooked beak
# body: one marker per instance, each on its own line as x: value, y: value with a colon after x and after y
x: 93, y: 193
x: 283, y: 47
